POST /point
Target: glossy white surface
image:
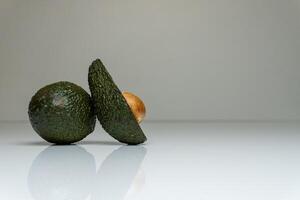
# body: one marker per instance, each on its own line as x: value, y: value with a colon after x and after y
x: 209, y: 161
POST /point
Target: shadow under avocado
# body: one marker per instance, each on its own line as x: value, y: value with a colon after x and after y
x: 69, y: 172
x: 44, y: 143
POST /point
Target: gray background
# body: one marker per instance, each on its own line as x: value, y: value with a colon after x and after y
x: 187, y: 59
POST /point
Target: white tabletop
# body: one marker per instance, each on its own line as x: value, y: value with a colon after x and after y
x: 206, y: 161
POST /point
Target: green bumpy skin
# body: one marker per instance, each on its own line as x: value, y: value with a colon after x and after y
x: 111, y: 108
x: 62, y: 113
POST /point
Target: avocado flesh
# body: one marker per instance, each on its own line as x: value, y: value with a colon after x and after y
x: 62, y: 113
x: 111, y: 108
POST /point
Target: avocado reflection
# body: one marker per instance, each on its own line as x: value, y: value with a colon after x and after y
x: 69, y: 172
x: 118, y: 173
x: 62, y: 172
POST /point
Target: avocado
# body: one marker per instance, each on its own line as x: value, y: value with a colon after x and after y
x: 111, y: 108
x: 62, y: 113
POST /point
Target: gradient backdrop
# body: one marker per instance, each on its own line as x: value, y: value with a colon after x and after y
x: 188, y: 60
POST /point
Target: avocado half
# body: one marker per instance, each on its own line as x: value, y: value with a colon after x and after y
x: 112, y: 110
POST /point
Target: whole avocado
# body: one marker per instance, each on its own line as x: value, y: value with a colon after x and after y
x: 62, y: 113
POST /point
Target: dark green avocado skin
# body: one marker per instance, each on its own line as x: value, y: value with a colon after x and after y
x: 111, y: 108
x: 62, y: 113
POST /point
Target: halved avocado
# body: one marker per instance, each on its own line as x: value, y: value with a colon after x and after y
x: 111, y: 108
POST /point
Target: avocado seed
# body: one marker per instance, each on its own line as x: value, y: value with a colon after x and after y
x: 136, y: 105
